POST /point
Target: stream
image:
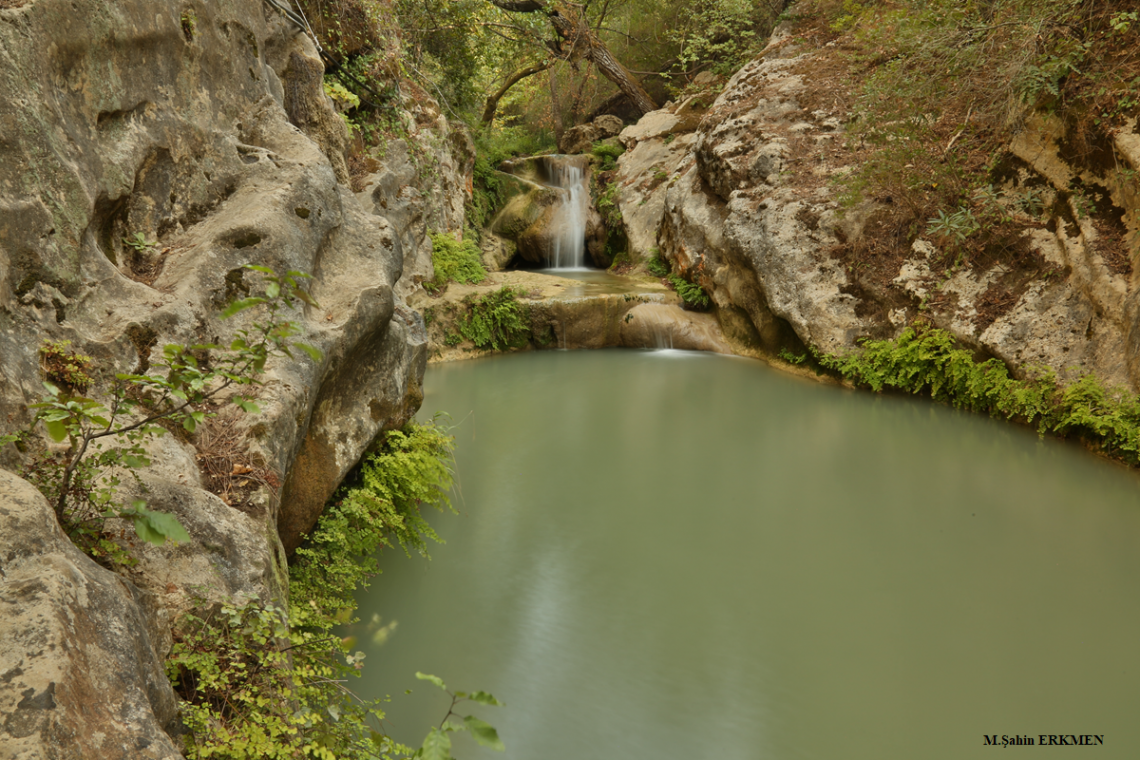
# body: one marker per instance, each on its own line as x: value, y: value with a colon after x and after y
x: 668, y: 556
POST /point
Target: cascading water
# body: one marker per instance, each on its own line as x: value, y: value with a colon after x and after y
x: 568, y: 243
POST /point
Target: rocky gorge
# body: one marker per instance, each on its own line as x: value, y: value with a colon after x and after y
x: 203, y: 134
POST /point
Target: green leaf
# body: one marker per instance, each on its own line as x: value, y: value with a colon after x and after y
x: 56, y: 429
x: 437, y: 745
x: 53, y: 390
x: 241, y: 305
x: 147, y: 532
x: 272, y: 290
x: 434, y: 679
x: 306, y: 298
x: 484, y: 733
x: 484, y: 698
x: 190, y: 424
x: 256, y: 268
x: 135, y: 461
x: 314, y: 353
x: 156, y: 527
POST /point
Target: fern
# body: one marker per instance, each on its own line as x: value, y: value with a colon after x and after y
x: 924, y: 361
x: 410, y: 468
x: 454, y: 261
x: 692, y: 294
x: 496, y: 321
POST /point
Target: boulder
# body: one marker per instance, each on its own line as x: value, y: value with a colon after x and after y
x: 81, y: 671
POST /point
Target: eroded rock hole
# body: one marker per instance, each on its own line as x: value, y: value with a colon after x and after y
x: 246, y: 240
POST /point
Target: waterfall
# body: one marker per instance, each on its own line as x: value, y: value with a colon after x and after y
x: 568, y: 241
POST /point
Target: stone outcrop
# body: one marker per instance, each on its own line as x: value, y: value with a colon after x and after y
x: 581, y: 138
x: 80, y: 671
x: 571, y: 314
x: 204, y: 136
x: 729, y: 205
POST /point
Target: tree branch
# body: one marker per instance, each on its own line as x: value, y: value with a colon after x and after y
x: 512, y: 80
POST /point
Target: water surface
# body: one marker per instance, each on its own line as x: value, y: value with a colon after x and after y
x: 669, y: 556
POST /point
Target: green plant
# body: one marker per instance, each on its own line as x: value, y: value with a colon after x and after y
x: 791, y: 358
x: 1122, y: 22
x: 607, y: 205
x: 1083, y: 205
x: 259, y: 683
x: 454, y: 261
x: 107, y: 440
x: 496, y: 320
x: 380, y: 504
x: 607, y: 153
x: 252, y: 688
x: 656, y: 265
x: 139, y: 243
x: 437, y: 744
x: 692, y: 294
x: 65, y: 368
x: 925, y: 360
x: 344, y: 99
x: 957, y: 226
x: 189, y: 23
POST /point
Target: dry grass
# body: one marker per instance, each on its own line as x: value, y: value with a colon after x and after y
x: 228, y: 469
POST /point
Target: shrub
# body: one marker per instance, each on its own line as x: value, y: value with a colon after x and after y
x: 693, y: 295
x: 454, y: 261
x: 258, y: 682
x: 496, y: 321
x: 608, y: 153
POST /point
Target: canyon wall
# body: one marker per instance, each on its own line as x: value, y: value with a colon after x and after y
x: 202, y: 132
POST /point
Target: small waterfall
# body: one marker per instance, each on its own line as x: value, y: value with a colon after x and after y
x: 568, y: 243
x: 662, y: 335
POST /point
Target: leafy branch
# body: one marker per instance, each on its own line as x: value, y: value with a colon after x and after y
x: 437, y: 744
x: 82, y: 484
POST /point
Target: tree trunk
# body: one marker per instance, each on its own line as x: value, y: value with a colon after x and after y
x: 572, y: 27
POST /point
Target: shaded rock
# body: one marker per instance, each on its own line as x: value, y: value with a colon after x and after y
x: 497, y: 251
x: 79, y: 673
x: 608, y: 125
x: 581, y: 138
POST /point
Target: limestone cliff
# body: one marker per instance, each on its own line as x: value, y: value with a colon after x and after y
x: 736, y: 192
x: 203, y: 128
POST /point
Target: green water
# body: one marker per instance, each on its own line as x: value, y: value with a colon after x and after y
x: 672, y: 556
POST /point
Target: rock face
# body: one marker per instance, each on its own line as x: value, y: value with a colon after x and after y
x: 729, y: 205
x: 79, y: 671
x: 203, y: 135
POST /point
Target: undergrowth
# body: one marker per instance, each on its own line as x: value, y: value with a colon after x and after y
x: 454, y: 261
x: 941, y: 87
x: 258, y: 682
x: 496, y: 320
x: 924, y: 360
x: 379, y: 506
x: 693, y: 295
